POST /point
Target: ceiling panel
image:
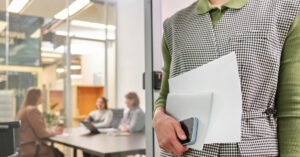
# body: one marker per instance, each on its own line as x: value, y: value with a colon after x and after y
x: 2, y: 5
x: 95, y: 13
x: 44, y: 8
x: 48, y: 8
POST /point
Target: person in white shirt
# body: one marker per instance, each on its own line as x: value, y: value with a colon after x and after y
x: 102, y: 117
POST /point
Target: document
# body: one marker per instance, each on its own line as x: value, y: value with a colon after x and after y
x: 183, y: 106
x: 107, y: 130
x: 220, y: 77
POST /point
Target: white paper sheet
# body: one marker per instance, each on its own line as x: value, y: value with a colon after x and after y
x: 220, y: 76
x: 107, y: 130
x: 183, y: 106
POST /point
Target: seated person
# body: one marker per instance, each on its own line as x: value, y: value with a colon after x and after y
x: 102, y: 117
x: 134, y: 119
x: 33, y: 127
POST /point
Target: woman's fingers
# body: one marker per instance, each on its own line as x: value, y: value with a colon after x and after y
x: 178, y: 148
x: 168, y: 130
x: 179, y: 132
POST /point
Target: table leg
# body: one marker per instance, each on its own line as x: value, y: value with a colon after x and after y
x: 74, y: 152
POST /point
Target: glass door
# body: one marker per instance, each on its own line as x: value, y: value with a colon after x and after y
x: 156, y: 11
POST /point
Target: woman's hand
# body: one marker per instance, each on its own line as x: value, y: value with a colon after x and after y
x: 167, y: 130
x: 58, y: 130
x: 123, y: 128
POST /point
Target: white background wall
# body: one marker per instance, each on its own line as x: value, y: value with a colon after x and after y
x: 130, y: 49
x: 162, y: 10
x: 169, y: 7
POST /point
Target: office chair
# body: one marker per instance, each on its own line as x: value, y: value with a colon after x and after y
x: 117, y: 116
x: 9, y: 135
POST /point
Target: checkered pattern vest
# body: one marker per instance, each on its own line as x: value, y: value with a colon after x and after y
x: 256, y: 33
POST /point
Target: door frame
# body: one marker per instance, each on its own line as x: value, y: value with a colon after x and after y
x: 150, y: 149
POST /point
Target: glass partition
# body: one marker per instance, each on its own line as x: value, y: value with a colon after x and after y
x: 34, y: 39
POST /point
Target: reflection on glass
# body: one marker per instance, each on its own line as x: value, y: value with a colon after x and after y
x: 19, y: 82
x: 38, y: 32
x: 24, y: 39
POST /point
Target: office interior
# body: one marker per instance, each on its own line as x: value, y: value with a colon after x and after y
x: 76, y: 51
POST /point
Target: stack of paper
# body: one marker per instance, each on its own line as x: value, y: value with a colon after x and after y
x: 224, y: 113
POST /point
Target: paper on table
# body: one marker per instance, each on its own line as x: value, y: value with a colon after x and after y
x: 106, y: 130
x: 195, y: 105
x: 63, y: 135
x: 220, y: 76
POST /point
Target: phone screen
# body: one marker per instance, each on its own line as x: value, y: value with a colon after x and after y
x: 187, y: 126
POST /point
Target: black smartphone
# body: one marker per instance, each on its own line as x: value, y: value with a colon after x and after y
x: 189, y: 126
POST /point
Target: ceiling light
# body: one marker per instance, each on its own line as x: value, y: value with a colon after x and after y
x: 93, y: 25
x: 47, y: 49
x: 17, y: 5
x: 60, y: 70
x: 75, y: 67
x: 63, y: 33
x: 83, y: 35
x: 76, y: 76
x: 36, y: 34
x: 73, y: 8
x: 88, y: 24
x: 3, y: 25
x: 111, y: 27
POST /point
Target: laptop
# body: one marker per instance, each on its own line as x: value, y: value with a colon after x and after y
x: 91, y: 127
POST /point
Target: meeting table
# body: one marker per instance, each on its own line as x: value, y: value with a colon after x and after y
x: 102, y: 145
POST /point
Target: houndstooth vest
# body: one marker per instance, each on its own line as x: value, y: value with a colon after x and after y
x: 256, y: 33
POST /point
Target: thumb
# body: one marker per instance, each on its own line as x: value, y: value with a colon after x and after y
x: 179, y: 132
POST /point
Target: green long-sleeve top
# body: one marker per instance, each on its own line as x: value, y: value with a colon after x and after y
x: 288, y: 94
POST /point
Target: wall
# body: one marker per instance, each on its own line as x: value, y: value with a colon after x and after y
x: 162, y: 10
x: 169, y: 7
x: 130, y: 49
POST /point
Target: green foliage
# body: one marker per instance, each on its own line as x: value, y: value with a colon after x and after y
x: 50, y: 117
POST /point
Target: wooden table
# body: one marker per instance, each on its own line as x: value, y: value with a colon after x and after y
x: 101, y: 144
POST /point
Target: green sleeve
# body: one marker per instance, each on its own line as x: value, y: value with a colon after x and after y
x: 164, y: 90
x: 288, y: 95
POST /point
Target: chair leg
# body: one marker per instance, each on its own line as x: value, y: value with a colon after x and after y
x: 37, y: 150
x: 74, y: 152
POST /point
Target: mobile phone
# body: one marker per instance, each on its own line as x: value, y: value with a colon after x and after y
x: 190, y: 127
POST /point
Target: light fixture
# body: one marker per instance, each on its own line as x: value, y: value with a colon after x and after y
x: 111, y: 27
x: 47, y: 49
x: 92, y: 25
x: 73, y: 76
x: 60, y: 70
x: 63, y: 33
x: 86, y: 35
x: 3, y: 25
x: 36, y: 34
x: 73, y: 8
x: 75, y: 67
x: 17, y: 5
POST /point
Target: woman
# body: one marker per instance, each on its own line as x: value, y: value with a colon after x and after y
x: 102, y: 117
x: 264, y: 34
x: 134, y: 119
x: 33, y: 127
